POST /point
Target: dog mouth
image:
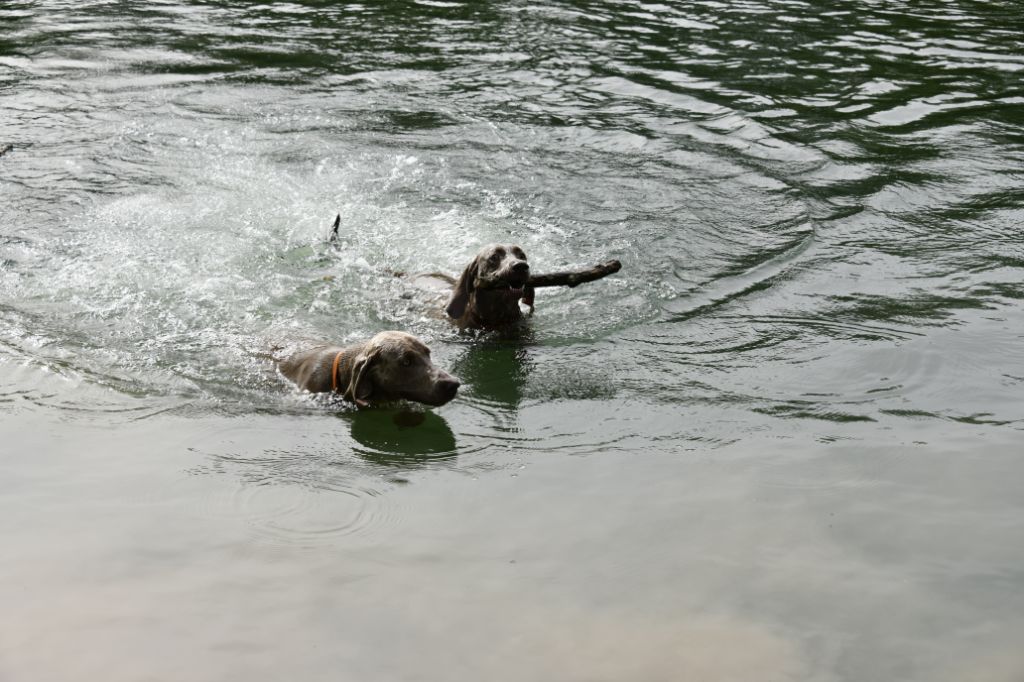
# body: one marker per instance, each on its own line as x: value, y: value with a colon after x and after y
x: 514, y: 286
x: 511, y: 287
x: 515, y: 291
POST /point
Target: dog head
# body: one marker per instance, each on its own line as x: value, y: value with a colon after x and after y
x: 492, y: 285
x: 397, y: 366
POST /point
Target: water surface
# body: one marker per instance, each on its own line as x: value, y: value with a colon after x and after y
x: 781, y: 444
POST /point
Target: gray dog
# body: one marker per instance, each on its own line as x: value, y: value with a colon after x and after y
x: 487, y: 293
x: 390, y: 366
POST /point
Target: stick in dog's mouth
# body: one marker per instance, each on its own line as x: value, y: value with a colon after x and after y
x: 517, y: 284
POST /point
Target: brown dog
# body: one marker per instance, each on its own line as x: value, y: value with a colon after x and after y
x: 487, y: 293
x: 390, y: 366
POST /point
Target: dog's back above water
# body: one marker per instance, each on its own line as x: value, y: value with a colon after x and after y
x: 391, y: 366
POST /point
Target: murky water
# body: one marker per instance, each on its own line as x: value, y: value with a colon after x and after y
x: 784, y: 443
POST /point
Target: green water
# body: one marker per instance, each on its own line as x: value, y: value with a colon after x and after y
x: 783, y: 443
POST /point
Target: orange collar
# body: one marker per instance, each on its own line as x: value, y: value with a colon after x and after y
x: 334, y: 372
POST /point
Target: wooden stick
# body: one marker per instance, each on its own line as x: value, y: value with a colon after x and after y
x: 574, y: 278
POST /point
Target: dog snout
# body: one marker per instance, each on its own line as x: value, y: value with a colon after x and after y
x: 520, y: 266
x: 448, y: 387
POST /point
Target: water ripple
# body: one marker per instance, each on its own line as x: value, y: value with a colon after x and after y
x: 783, y: 183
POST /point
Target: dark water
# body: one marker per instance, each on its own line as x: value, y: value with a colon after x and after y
x: 784, y: 443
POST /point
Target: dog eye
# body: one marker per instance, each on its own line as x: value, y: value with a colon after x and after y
x: 405, y: 362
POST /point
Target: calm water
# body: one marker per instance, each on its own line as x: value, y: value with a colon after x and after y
x: 784, y: 443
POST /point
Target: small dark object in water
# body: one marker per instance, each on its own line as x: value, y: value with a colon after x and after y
x: 334, y: 229
x: 6, y: 148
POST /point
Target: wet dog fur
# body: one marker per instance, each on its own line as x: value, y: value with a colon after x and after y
x: 487, y: 293
x: 391, y: 366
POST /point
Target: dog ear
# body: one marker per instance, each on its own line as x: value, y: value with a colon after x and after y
x: 360, y: 388
x: 460, y: 294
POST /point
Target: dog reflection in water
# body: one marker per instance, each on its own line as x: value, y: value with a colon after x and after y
x: 401, y: 438
x: 390, y: 366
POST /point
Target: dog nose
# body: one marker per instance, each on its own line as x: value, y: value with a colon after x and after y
x: 449, y: 387
x: 521, y: 266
